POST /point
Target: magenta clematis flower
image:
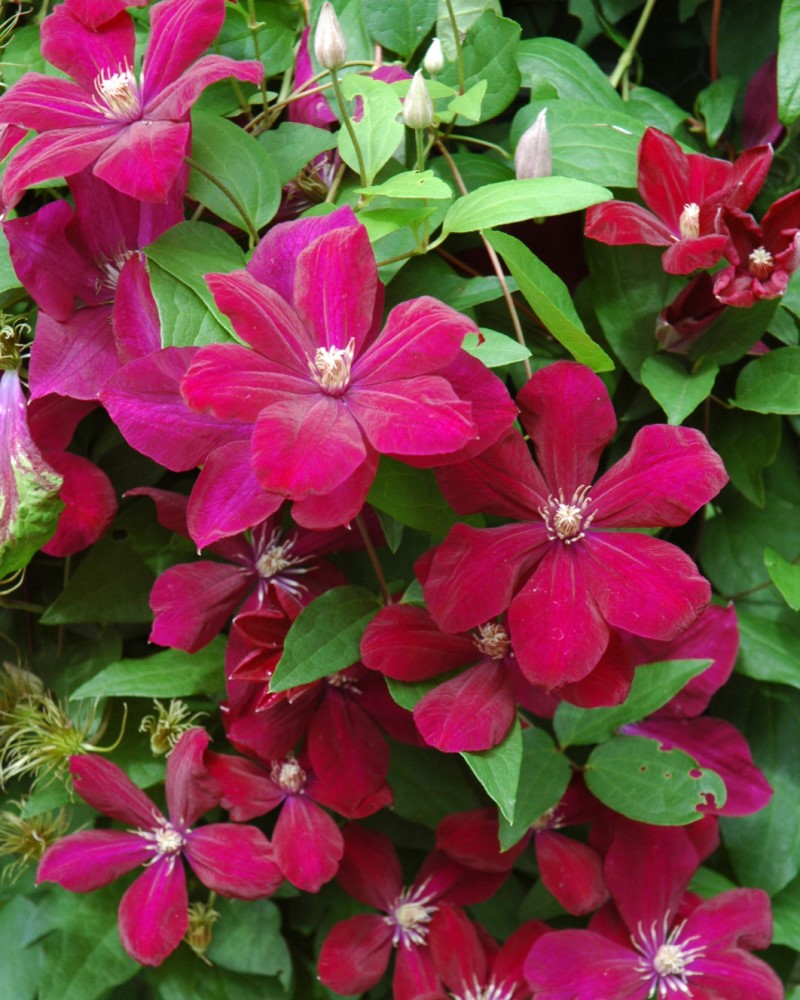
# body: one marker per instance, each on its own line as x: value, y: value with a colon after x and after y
x: 565, y: 573
x: 356, y: 952
x: 232, y: 860
x: 657, y: 940
x: 689, y: 315
x: 684, y: 193
x: 134, y: 133
x: 324, y: 390
x: 762, y: 258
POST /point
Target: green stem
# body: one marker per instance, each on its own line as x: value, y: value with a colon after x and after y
x: 249, y: 224
x: 626, y: 58
x: 348, y: 124
x: 253, y: 24
x: 420, y: 149
x: 457, y: 40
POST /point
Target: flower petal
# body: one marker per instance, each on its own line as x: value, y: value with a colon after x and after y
x: 370, y: 869
x: 355, y: 954
x: 571, y: 871
x: 110, y: 791
x: 74, y: 358
x: 145, y: 159
x: 83, y: 53
x: 180, y: 32
x: 404, y: 642
x: 622, y: 223
x: 582, y: 965
x: 83, y: 862
x: 308, y: 844
x: 235, y: 861
x: 191, y: 789
x: 154, y: 912
x: 90, y: 504
x: 340, y: 505
x: 736, y: 975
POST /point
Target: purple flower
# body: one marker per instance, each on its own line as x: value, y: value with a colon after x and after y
x: 134, y: 131
x: 232, y: 860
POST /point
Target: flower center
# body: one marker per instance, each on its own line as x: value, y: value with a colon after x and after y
x: 164, y: 838
x: 760, y: 263
x: 330, y: 368
x: 490, y: 991
x: 111, y: 270
x: 118, y: 95
x: 289, y: 776
x: 567, y: 522
x: 410, y: 915
x: 492, y: 640
x: 273, y: 559
x: 666, y: 961
x: 689, y: 222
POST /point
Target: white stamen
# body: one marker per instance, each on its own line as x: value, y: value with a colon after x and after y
x: 689, y: 222
x: 760, y: 263
x: 118, y: 95
x: 665, y: 962
x: 567, y: 521
x: 289, y: 776
x: 330, y: 368
x: 164, y: 838
x: 489, y: 991
x: 492, y: 640
x: 410, y: 915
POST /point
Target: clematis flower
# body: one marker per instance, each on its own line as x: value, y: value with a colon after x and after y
x: 563, y: 571
x: 684, y: 193
x: 134, y: 133
x: 231, y: 860
x: 689, y: 315
x: 658, y: 940
x: 356, y: 952
x: 324, y: 390
x: 762, y: 258
x: 760, y: 122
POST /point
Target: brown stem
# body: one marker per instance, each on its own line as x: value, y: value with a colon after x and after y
x: 716, y: 11
x: 373, y: 558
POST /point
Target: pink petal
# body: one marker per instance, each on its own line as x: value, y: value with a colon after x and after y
x: 370, y: 869
x: 154, y: 912
x: 336, y: 287
x: 306, y: 445
x: 95, y: 13
x: 355, y: 954
x: 84, y: 53
x: 557, y: 629
x: 473, y: 711
x: 191, y: 789
x: 419, y: 337
x: 582, y: 965
x: 170, y: 507
x: 690, y: 254
x: 48, y: 104
x: 571, y: 871
x: 736, y: 975
x: 235, y: 861
x: 609, y: 681
x: 739, y: 918
x: 414, y: 974
x: 308, y: 844
x: 473, y: 840
x: 622, y: 223
x: 404, y: 642
x: 457, y: 952
x: 180, y: 621
x: 340, y: 505
x: 619, y: 567
x: 145, y: 159
x: 180, y: 32
x: 175, y: 101
x: 227, y: 498
x: 110, y: 791
x: 568, y: 414
x: 664, y: 176
x: 143, y: 400
x: 475, y: 572
x: 248, y: 790
x: 134, y: 317
x: 74, y: 358
x: 419, y: 416
x: 83, y: 862
x: 53, y: 419
x: 90, y: 504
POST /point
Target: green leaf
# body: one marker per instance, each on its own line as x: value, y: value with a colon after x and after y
x: 466, y: 14
x: 399, y: 27
x: 380, y: 222
x: 8, y: 276
x: 574, y: 74
x: 276, y: 35
x: 248, y: 939
x: 653, y: 686
x: 652, y: 107
x: 498, y: 770
x: 22, y: 962
x: 411, y: 496
x: 378, y: 131
x: 748, y: 443
x: 770, y: 638
x: 489, y: 54
x: 429, y: 785
x: 676, y: 389
x: 785, y: 576
x: 771, y: 383
x: 292, y: 145
x: 325, y: 637
x: 715, y: 105
x: 589, y: 141
x: 549, y: 297
x: 786, y: 916
x: 411, y: 184
x: 495, y: 349
x: 359, y: 41
x: 84, y: 957
x: 172, y: 673
x: 179, y: 261
x: 407, y: 693
x: 513, y: 201
x: 184, y: 976
x: 732, y: 335
x: 789, y: 63
x: 239, y: 162
x: 543, y: 779
x: 633, y: 776
x: 469, y: 104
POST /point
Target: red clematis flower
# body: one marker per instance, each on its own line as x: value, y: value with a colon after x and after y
x: 565, y: 573
x: 684, y: 193
x: 133, y: 132
x: 232, y: 860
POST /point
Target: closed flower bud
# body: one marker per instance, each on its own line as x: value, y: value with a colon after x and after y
x: 533, y: 157
x: 433, y: 62
x: 330, y: 47
x: 418, y: 107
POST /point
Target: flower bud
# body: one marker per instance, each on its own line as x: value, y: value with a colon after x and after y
x: 418, y: 106
x: 533, y: 157
x: 330, y: 46
x: 433, y: 62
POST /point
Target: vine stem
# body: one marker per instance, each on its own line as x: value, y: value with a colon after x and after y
x: 457, y: 39
x: 253, y: 24
x: 337, y: 89
x: 625, y: 60
x: 249, y: 224
x: 716, y: 11
x: 496, y: 265
x: 373, y: 558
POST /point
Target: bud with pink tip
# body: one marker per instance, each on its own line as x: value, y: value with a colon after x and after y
x: 534, y: 157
